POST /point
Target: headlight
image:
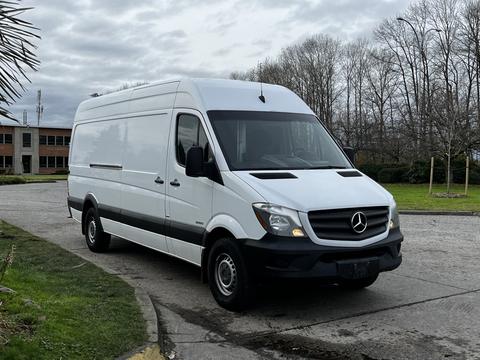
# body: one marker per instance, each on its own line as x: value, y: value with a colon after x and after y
x: 394, y: 218
x: 278, y: 220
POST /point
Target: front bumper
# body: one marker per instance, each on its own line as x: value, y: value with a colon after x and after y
x: 274, y: 256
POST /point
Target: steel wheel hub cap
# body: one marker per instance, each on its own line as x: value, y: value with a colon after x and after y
x: 92, y: 230
x: 225, y: 274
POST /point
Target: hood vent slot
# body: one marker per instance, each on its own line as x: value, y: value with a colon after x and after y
x: 349, y: 173
x: 274, y: 175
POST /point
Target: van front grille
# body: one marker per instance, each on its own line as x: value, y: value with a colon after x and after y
x: 337, y: 224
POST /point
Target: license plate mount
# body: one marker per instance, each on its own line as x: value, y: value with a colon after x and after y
x: 358, y: 268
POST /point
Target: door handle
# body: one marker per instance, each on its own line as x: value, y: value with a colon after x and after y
x: 158, y: 180
x: 175, y: 183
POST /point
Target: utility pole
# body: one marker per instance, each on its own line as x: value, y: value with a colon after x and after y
x: 25, y: 119
x: 39, y: 107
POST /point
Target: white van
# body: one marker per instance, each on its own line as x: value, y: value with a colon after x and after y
x: 238, y: 178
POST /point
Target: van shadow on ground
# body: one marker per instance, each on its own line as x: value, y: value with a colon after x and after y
x: 277, y: 298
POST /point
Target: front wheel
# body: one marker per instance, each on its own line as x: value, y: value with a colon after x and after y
x: 97, y: 240
x: 228, y: 276
x: 357, y: 284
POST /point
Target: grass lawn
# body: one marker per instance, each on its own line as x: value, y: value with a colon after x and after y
x: 23, y: 179
x: 63, y: 307
x: 415, y: 197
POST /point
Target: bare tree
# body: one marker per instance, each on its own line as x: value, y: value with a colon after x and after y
x: 471, y: 45
x: 411, y: 93
x: 445, y: 16
x: 382, y: 84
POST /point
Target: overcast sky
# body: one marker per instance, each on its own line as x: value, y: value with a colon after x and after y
x: 91, y: 46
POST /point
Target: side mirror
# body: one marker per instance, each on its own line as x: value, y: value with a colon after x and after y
x: 194, y: 162
x: 350, y: 152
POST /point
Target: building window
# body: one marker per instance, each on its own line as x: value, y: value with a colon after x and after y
x: 51, y: 162
x: 5, y: 138
x: 67, y: 140
x: 27, y: 140
x: 43, y: 140
x: 9, y: 161
x: 59, y: 141
x: 43, y: 161
x: 51, y: 140
x: 59, y: 162
x: 66, y: 162
x: 1, y: 162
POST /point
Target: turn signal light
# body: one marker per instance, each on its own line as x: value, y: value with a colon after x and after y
x: 298, y: 232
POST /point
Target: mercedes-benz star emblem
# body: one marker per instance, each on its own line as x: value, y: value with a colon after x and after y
x: 359, y: 222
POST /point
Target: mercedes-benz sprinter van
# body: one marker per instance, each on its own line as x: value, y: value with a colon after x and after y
x: 238, y: 178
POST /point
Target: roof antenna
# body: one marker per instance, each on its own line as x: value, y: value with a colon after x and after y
x: 261, y: 97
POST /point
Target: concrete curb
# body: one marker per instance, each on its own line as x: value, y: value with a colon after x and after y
x: 40, y: 182
x: 148, y: 311
x: 150, y: 350
x: 146, y: 352
x: 428, y: 212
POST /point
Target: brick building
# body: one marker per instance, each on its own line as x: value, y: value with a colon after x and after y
x: 33, y: 150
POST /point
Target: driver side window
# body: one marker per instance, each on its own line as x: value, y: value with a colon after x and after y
x: 190, y: 133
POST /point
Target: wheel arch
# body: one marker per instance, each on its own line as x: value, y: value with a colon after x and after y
x: 90, y: 201
x: 210, y: 237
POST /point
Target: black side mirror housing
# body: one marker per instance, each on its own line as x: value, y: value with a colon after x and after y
x: 350, y: 152
x: 194, y: 162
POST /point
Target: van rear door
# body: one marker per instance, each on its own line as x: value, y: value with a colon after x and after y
x: 189, y: 200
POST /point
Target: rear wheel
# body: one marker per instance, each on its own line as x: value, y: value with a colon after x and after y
x: 228, y: 276
x: 97, y: 240
x: 357, y: 284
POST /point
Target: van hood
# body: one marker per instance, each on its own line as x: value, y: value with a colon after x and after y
x: 307, y: 190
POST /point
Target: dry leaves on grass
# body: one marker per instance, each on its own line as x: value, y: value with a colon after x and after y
x: 8, y: 328
x: 5, y: 330
x: 8, y: 261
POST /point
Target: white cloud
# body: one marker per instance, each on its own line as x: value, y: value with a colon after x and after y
x: 89, y: 46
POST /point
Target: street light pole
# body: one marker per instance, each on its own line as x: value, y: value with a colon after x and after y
x: 413, y: 28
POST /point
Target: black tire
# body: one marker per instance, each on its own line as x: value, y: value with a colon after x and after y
x: 234, y: 290
x: 97, y: 240
x: 358, y: 284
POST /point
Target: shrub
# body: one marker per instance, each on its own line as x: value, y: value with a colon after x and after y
x: 62, y: 172
x: 371, y: 170
x: 474, y: 177
x: 439, y: 171
x: 418, y: 173
x: 458, y: 171
x: 10, y: 180
x: 393, y: 175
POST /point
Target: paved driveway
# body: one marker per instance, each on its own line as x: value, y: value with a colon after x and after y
x: 429, y: 308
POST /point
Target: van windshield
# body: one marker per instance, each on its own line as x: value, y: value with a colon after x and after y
x: 256, y: 140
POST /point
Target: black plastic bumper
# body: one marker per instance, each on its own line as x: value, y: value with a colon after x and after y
x: 275, y: 256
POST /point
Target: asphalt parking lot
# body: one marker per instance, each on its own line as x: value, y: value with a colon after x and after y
x: 429, y: 308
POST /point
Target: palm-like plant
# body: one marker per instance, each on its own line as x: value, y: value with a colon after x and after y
x: 16, y: 53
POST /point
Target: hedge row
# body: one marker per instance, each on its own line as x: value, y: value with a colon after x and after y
x: 419, y: 172
x: 10, y: 180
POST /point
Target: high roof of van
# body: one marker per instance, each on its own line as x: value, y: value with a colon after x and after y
x: 200, y: 94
